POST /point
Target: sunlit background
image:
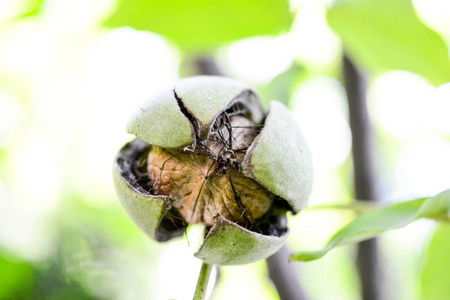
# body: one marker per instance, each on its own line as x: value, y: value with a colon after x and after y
x: 67, y: 87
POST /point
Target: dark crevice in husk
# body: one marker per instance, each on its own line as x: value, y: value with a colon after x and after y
x: 274, y: 222
x: 195, y: 123
x: 246, y: 98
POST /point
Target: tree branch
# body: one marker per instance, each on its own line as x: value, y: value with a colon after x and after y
x: 364, y: 174
x: 283, y: 275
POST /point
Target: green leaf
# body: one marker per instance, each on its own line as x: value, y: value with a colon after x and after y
x: 388, y: 35
x: 387, y: 218
x: 435, y: 272
x: 283, y: 85
x: 198, y: 24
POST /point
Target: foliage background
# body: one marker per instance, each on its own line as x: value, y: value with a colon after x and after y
x: 71, y: 73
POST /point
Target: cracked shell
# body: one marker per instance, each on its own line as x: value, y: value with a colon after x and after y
x: 184, y: 117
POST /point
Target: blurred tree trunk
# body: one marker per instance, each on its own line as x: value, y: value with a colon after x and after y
x: 364, y: 175
x: 283, y: 275
x: 205, y: 64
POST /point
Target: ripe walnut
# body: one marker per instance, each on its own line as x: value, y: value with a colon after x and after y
x: 207, y: 182
x: 206, y: 153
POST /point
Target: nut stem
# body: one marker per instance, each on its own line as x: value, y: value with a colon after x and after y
x: 202, y: 282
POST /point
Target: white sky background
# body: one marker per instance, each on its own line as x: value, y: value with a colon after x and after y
x: 72, y: 86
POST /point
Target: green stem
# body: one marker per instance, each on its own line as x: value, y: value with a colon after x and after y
x: 202, y: 281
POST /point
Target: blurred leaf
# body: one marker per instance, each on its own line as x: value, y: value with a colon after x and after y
x: 39, y: 280
x: 388, y: 218
x: 387, y: 34
x: 283, y: 85
x: 114, y: 224
x: 31, y: 8
x: 17, y: 279
x: 435, y: 273
x: 198, y: 24
x: 53, y: 283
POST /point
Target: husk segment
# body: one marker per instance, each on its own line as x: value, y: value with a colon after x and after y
x: 279, y: 158
x: 230, y: 244
x: 160, y: 122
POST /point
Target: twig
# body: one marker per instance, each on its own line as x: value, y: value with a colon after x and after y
x: 202, y: 282
x: 362, y: 135
x: 364, y: 174
x: 206, y: 65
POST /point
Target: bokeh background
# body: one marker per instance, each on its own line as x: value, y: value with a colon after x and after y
x: 72, y: 71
